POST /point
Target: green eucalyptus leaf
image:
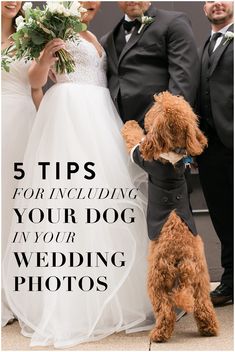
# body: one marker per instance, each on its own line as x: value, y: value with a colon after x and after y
x: 37, y: 38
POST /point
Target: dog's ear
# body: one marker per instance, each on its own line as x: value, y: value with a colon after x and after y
x: 201, y: 138
x: 148, y: 121
x: 195, y: 141
x: 149, y: 147
x: 149, y: 118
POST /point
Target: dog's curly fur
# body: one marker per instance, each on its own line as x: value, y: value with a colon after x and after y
x: 178, y: 275
x: 170, y: 123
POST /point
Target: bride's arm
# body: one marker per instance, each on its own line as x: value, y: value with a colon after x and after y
x: 39, y: 71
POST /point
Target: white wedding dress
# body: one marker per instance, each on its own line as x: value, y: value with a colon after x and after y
x: 18, y: 112
x: 93, y: 284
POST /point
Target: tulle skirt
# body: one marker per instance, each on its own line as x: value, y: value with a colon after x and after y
x: 75, y: 267
x: 18, y: 114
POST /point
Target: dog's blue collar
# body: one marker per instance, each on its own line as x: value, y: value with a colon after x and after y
x: 187, y: 160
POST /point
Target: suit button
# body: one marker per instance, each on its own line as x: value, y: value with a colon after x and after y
x: 207, y: 93
x: 179, y: 196
x: 165, y: 199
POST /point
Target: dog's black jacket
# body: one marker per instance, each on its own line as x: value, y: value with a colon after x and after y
x: 167, y: 191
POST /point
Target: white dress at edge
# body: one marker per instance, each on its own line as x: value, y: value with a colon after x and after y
x: 18, y: 112
x: 92, y: 282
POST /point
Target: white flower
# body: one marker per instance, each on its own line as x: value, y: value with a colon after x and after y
x: 20, y: 26
x: 19, y: 20
x: 229, y: 36
x: 144, y: 20
x: 60, y: 9
x: 67, y: 13
x: 76, y: 9
x: 82, y: 9
x: 27, y: 6
x: 52, y: 6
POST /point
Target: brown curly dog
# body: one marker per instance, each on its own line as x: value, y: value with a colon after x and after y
x: 177, y: 275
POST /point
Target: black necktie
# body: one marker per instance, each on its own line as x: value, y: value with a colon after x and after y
x: 212, y: 42
x: 128, y: 25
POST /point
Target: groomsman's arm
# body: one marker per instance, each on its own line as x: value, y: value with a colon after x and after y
x: 132, y: 152
x: 136, y: 157
x: 183, y: 59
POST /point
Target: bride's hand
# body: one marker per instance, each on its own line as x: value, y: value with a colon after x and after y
x: 39, y: 70
x: 47, y: 57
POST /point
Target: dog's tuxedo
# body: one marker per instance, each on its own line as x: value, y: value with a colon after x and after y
x: 167, y: 191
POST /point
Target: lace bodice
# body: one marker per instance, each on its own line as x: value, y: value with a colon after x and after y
x: 16, y: 80
x: 90, y: 67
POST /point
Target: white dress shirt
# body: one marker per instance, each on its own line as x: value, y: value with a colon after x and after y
x: 128, y: 34
x: 223, y: 31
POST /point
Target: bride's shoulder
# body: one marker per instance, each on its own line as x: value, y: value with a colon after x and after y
x: 89, y: 36
x: 92, y: 35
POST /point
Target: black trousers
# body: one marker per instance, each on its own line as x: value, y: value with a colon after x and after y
x: 216, y: 176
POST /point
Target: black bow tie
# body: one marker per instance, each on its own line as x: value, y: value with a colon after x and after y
x: 213, y: 42
x: 128, y: 25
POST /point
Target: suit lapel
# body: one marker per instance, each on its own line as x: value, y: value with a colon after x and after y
x: 135, y: 37
x: 111, y: 48
x: 219, y: 52
x: 202, y: 51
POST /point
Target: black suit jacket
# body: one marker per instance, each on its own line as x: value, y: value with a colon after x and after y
x: 220, y: 84
x: 162, y: 57
x: 167, y: 191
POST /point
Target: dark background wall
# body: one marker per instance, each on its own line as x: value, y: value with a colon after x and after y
x: 110, y: 14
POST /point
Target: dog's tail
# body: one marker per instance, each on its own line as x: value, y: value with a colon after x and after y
x: 183, y: 298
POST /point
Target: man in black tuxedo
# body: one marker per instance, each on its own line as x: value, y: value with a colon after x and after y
x: 216, y: 111
x: 150, y: 58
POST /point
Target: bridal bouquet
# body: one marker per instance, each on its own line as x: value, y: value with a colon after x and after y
x: 39, y: 26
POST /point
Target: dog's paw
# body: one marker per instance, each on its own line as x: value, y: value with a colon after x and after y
x: 132, y: 134
x: 210, y: 330
x: 158, y: 336
x: 207, y: 321
x: 129, y: 126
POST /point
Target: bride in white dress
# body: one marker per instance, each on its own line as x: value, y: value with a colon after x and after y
x: 75, y: 268
x: 18, y: 112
